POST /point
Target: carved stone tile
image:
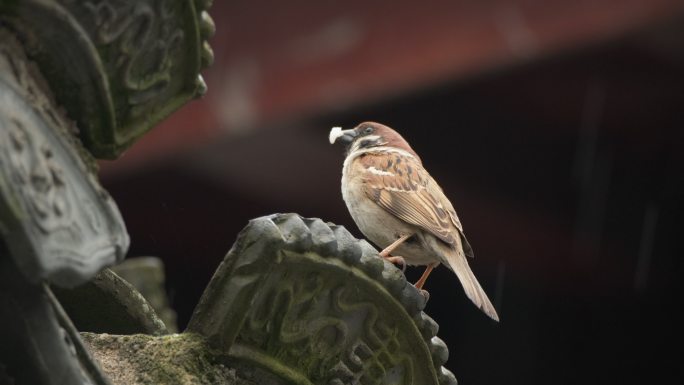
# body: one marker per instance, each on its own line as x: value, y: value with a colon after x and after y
x: 57, y: 221
x: 118, y: 66
x: 307, y: 302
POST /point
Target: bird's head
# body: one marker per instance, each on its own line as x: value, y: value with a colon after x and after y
x: 368, y: 136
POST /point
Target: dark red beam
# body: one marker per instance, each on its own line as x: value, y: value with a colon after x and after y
x: 278, y: 61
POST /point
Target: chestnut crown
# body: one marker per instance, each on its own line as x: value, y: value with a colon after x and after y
x: 368, y: 135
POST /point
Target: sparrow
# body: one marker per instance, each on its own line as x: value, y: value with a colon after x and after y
x: 398, y: 206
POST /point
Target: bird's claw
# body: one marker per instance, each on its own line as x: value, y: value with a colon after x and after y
x: 397, y: 260
x: 425, y: 294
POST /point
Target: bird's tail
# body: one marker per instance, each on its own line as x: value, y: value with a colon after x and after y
x: 459, y: 265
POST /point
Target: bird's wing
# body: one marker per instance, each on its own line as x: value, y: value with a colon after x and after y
x: 467, y: 249
x: 401, y: 185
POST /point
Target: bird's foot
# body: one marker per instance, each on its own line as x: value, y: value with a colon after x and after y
x: 398, y: 261
x: 425, y: 294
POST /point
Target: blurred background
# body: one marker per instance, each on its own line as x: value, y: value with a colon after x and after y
x: 555, y: 127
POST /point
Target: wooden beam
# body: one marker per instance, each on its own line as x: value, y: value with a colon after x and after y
x: 279, y: 61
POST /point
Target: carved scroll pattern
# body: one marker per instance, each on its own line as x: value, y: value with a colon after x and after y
x: 143, y: 38
x: 34, y: 171
x: 328, y: 329
x: 72, y: 226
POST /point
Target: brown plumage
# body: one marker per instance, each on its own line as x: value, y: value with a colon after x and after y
x: 399, y: 206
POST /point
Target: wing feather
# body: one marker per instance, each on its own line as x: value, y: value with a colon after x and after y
x: 406, y: 190
x: 400, y: 185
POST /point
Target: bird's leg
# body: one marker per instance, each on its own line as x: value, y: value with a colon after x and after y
x: 423, y: 278
x: 397, y: 260
x: 387, y: 250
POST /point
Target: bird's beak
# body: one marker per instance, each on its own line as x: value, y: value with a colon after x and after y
x: 343, y: 136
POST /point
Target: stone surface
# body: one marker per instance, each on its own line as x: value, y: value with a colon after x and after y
x: 118, y: 67
x: 109, y: 304
x: 57, y: 221
x: 173, y: 359
x: 146, y: 274
x: 296, y: 301
x: 39, y: 346
x: 308, y: 303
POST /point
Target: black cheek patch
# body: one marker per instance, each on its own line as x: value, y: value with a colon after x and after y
x: 365, y: 143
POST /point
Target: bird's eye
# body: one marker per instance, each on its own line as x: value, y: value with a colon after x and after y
x: 368, y: 130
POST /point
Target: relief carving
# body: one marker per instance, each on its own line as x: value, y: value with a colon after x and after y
x: 117, y: 66
x: 58, y: 222
x: 144, y: 36
x: 332, y: 325
x: 301, y: 300
x: 40, y: 178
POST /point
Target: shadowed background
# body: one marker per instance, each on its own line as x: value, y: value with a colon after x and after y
x: 555, y: 127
